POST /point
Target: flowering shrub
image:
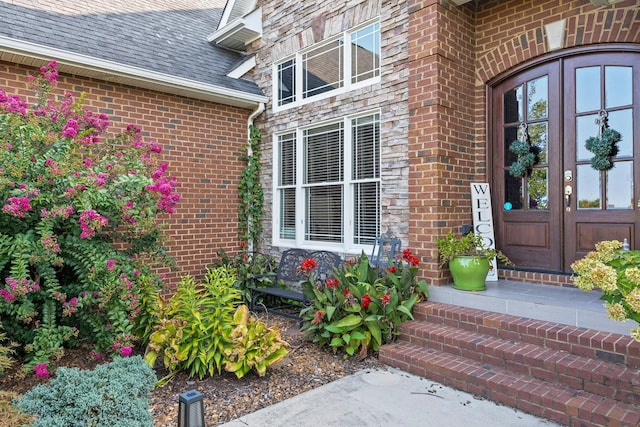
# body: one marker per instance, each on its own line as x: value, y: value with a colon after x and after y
x: 616, y: 272
x: 79, y: 224
x: 360, y: 308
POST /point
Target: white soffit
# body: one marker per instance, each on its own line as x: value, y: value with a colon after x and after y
x: 237, y: 34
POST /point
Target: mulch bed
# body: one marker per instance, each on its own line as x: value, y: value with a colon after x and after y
x: 225, y: 397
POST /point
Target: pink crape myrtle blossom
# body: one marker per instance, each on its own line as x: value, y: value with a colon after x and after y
x: 17, y: 206
x: 81, y: 206
x: 41, y: 370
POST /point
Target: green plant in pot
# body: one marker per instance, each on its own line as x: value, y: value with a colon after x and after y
x: 469, y: 260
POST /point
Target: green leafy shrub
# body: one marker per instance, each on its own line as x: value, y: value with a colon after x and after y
x: 79, y: 224
x: 116, y: 394
x: 252, y: 269
x: 253, y: 345
x: 360, y: 308
x: 195, y: 329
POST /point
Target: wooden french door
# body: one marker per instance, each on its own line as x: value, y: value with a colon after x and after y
x: 556, y: 213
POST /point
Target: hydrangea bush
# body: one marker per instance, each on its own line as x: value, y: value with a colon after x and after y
x: 616, y: 272
x: 80, y: 224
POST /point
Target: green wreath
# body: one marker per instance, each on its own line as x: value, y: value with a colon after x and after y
x: 603, y: 148
x: 527, y: 157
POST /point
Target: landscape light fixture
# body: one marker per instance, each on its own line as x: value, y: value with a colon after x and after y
x: 191, y: 409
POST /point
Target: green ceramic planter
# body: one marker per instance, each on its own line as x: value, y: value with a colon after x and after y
x: 469, y: 272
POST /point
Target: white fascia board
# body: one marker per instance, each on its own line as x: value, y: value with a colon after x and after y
x: 226, y: 13
x: 243, y: 68
x: 235, y: 9
x: 23, y: 52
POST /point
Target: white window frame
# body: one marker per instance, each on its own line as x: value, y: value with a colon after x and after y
x: 347, y: 245
x: 346, y: 86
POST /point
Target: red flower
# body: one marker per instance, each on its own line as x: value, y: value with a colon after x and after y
x: 243, y: 244
x: 332, y: 283
x: 413, y: 260
x: 346, y: 292
x: 406, y: 253
x: 308, y: 265
x: 385, y: 299
x: 318, y: 317
x: 392, y: 270
x: 366, y: 300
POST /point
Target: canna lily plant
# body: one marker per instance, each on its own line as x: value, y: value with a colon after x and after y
x: 359, y: 308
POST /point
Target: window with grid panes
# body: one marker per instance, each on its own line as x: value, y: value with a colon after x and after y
x: 335, y: 190
x: 353, y: 59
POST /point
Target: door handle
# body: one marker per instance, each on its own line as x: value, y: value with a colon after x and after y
x: 568, y: 190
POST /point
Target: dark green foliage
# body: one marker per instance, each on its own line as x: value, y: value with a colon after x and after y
x: 527, y: 157
x: 115, y: 394
x: 253, y: 269
x: 250, y: 208
x: 603, y: 148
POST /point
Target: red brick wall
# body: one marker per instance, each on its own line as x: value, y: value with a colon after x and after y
x: 453, y: 52
x: 201, y: 143
x: 512, y: 32
x: 443, y: 147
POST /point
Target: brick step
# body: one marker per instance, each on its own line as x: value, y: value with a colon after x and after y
x: 606, y: 346
x: 541, y: 398
x: 577, y: 372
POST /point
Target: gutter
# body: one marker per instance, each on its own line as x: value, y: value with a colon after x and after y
x: 32, y: 54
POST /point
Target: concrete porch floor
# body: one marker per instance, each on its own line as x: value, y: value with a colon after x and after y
x: 566, y: 305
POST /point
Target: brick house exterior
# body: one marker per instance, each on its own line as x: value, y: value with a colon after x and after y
x: 203, y: 133
x: 434, y: 100
x: 440, y: 61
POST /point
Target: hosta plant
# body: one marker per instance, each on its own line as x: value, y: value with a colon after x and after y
x: 80, y: 223
x: 359, y: 308
x: 616, y: 273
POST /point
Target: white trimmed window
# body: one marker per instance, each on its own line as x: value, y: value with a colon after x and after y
x: 320, y: 70
x: 327, y: 186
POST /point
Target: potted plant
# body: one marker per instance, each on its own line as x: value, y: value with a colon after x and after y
x: 469, y: 260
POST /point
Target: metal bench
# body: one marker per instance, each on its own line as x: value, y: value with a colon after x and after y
x: 385, y: 249
x: 285, y: 301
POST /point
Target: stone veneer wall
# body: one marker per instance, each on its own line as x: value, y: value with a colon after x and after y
x: 291, y: 25
x: 201, y: 142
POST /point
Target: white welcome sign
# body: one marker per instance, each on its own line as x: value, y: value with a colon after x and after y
x: 483, y: 221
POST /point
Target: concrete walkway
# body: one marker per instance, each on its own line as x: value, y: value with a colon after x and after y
x: 392, y: 398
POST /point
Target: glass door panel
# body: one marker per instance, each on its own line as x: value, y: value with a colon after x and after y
x: 620, y: 186
x: 589, y: 187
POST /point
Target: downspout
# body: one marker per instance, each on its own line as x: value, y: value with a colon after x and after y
x: 252, y: 116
